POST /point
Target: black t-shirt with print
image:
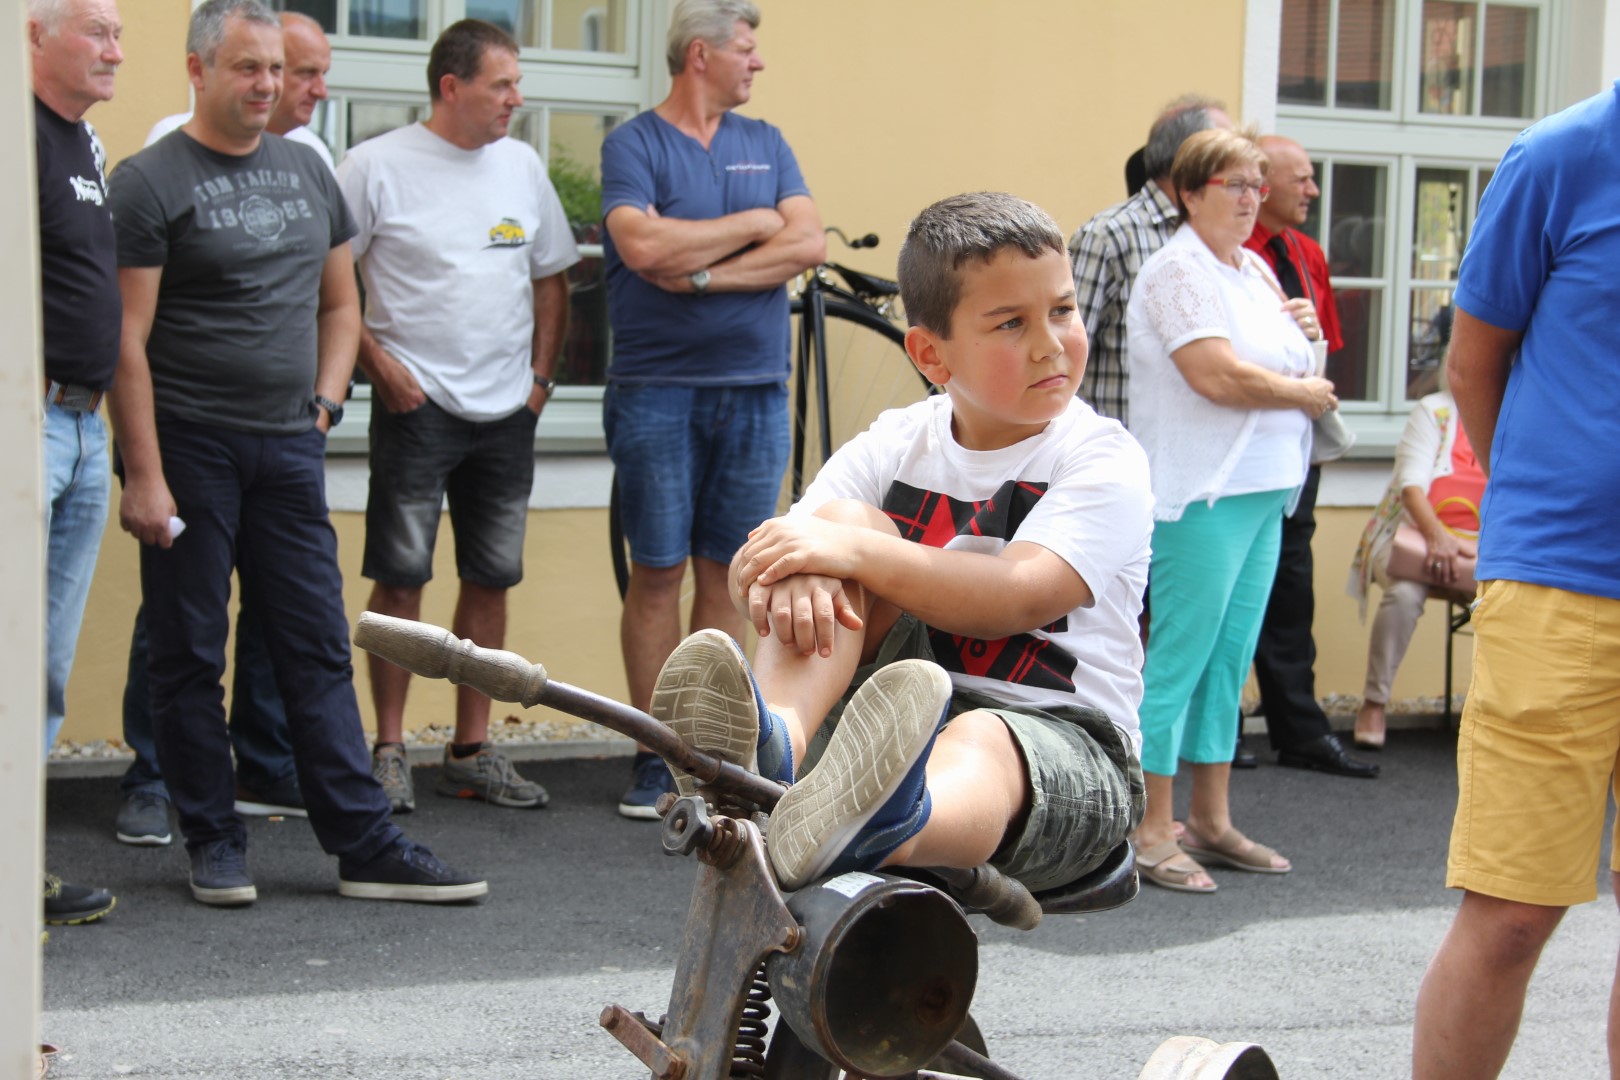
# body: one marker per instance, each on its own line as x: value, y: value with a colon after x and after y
x: 78, y: 253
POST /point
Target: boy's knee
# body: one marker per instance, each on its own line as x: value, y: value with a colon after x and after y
x: 855, y: 512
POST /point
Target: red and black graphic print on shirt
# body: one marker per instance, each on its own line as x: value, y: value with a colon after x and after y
x: 927, y: 517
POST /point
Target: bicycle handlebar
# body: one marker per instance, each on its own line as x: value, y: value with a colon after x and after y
x: 870, y: 240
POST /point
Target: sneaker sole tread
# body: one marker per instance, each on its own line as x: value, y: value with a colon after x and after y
x: 423, y: 894
x: 236, y: 896
x: 706, y: 696
x: 258, y: 809
x: 886, y: 725
x: 81, y: 918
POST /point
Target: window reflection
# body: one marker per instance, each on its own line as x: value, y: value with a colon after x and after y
x: 1447, y: 81
x: 1366, y: 46
x: 1302, y: 70
x: 1354, y: 368
x: 368, y: 119
x: 1356, y: 234
x: 1430, y: 333
x: 1438, y: 225
x: 387, y: 19
x: 322, y: 11
x: 1509, y: 79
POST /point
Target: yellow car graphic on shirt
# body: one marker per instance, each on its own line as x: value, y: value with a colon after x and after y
x: 508, y: 233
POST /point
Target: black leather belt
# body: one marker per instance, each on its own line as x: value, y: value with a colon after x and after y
x: 78, y: 398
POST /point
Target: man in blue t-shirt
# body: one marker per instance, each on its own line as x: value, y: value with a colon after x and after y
x: 1533, y: 363
x: 707, y: 219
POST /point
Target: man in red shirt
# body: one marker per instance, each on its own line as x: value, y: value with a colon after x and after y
x: 1286, y: 655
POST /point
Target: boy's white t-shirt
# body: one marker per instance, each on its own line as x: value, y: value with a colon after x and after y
x: 449, y: 242
x: 1079, y: 489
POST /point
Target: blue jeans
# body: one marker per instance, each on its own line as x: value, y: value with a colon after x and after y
x: 256, y: 504
x: 258, y: 724
x: 697, y: 468
x: 76, y: 484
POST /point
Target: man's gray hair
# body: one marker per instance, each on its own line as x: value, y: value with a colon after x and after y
x: 954, y: 230
x: 714, y: 21
x: 49, y: 13
x: 1187, y: 115
x: 208, y: 24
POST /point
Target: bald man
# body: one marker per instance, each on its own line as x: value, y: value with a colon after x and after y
x: 1285, y: 659
x: 303, y: 86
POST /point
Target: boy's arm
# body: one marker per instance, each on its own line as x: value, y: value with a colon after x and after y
x: 960, y: 592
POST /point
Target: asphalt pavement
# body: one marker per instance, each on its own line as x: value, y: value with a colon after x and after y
x: 1320, y: 966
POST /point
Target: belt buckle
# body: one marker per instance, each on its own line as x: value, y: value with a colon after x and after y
x: 78, y: 398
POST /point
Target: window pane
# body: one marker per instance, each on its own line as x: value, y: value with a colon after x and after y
x: 588, y: 25
x: 1430, y: 333
x: 1483, y: 183
x: 1302, y: 70
x: 1509, y: 79
x: 322, y: 11
x: 1447, y: 84
x: 1354, y: 368
x: 1437, y: 231
x: 520, y: 18
x: 368, y: 119
x: 1355, y: 243
x: 1366, y: 45
x: 387, y: 19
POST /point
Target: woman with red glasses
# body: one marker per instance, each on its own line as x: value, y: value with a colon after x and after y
x: 1223, y: 391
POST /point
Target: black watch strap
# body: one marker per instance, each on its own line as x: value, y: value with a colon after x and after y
x: 546, y: 383
x: 334, y: 409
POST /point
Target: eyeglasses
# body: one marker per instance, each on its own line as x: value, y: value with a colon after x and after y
x: 1236, y: 185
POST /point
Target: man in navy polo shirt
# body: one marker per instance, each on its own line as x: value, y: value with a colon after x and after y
x: 707, y: 219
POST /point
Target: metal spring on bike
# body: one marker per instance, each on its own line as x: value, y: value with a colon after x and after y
x: 749, y: 1060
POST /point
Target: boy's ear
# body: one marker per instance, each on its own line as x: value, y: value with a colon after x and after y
x: 922, y: 345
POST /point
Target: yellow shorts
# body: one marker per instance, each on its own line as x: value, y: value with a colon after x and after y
x: 1537, y: 751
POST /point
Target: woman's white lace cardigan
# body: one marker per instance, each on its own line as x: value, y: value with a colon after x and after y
x: 1192, y: 443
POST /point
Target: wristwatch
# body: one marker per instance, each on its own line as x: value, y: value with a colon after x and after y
x: 546, y: 383
x: 333, y: 409
x: 700, y: 282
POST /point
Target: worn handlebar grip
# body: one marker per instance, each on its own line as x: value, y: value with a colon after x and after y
x: 436, y: 653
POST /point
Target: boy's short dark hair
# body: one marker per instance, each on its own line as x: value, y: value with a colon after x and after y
x: 952, y: 231
x: 460, y: 51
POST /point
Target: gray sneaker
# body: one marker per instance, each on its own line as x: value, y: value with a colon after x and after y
x: 392, y: 769
x: 143, y: 820
x: 488, y: 775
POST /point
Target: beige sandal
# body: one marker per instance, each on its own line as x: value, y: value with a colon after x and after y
x: 1167, y: 866
x: 1229, y: 851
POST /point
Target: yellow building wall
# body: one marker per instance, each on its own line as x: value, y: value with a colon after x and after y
x: 888, y: 106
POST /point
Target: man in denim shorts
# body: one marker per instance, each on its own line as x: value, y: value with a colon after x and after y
x: 467, y: 307
x: 707, y: 218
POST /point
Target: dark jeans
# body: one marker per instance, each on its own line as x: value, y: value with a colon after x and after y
x: 1285, y: 659
x: 256, y: 504
x: 258, y: 724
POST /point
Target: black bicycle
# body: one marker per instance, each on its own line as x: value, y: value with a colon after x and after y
x: 849, y: 365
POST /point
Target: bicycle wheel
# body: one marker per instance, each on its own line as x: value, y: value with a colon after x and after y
x: 868, y: 372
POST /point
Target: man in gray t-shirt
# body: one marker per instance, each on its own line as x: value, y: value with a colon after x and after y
x: 241, y: 324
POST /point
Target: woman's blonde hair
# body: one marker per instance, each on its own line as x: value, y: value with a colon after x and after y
x: 1206, y: 153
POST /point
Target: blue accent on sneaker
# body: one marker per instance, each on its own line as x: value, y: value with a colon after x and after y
x: 775, y: 752
x: 651, y: 779
x: 869, y: 793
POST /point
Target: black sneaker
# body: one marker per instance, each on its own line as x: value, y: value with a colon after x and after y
x: 405, y: 870
x: 284, y: 799
x: 70, y: 905
x: 143, y: 820
x: 219, y: 874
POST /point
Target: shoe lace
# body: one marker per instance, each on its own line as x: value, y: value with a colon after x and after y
x: 225, y: 855
x: 650, y: 774
x: 413, y: 854
x: 53, y: 886
x: 498, y: 770
x: 393, y: 767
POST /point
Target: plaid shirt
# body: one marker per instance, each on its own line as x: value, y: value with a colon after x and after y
x: 1107, y: 252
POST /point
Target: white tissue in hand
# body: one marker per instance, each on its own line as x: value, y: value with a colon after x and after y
x: 176, y: 527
